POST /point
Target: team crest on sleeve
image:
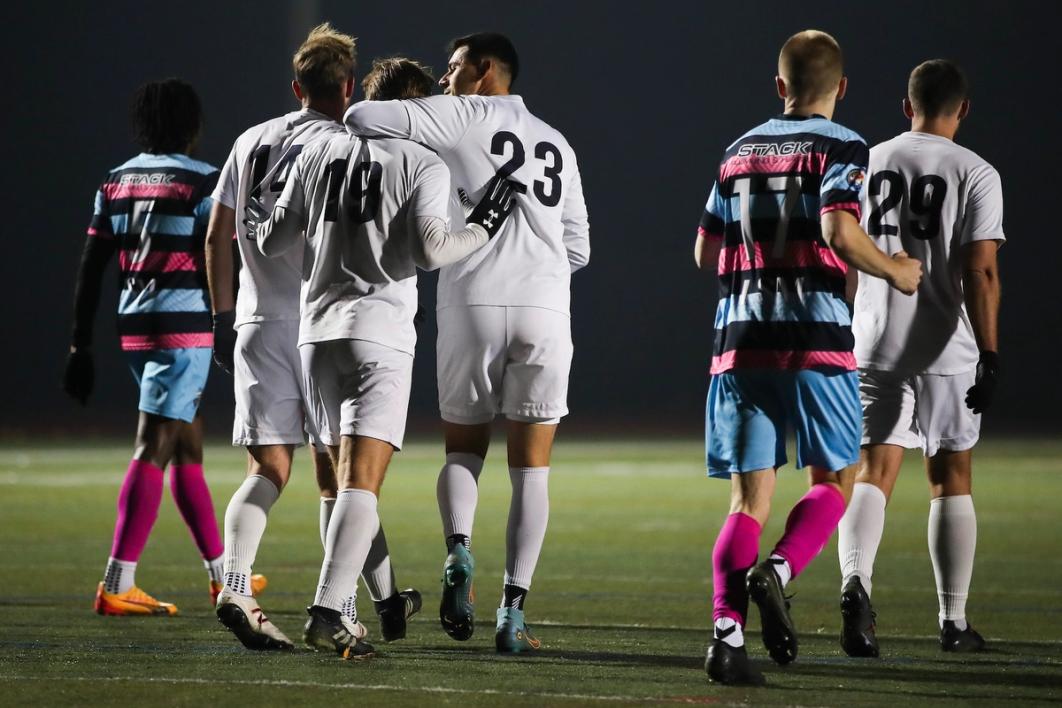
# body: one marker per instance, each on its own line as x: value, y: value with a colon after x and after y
x: 856, y: 177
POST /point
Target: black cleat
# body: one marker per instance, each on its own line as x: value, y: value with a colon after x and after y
x: 731, y: 666
x: 961, y: 641
x: 394, y: 611
x: 857, y: 629
x: 779, y: 634
x: 329, y: 630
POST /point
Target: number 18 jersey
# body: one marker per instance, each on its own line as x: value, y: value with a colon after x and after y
x: 929, y: 197
x: 781, y: 288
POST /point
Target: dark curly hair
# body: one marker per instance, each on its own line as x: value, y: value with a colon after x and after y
x: 167, y: 116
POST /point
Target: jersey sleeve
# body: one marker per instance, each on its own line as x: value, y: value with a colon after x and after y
x: 204, y: 205
x: 293, y: 197
x: 228, y: 187
x: 713, y: 220
x: 100, y: 226
x: 388, y: 119
x: 842, y: 181
x: 440, y: 121
x: 576, y: 223
x: 430, y: 196
x: 984, y: 208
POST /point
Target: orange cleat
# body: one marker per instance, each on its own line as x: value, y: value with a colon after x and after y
x: 133, y: 601
x: 258, y: 584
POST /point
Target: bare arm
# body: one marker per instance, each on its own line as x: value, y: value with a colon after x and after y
x: 219, y: 258
x: 847, y: 239
x: 706, y: 253
x: 435, y: 247
x: 981, y: 290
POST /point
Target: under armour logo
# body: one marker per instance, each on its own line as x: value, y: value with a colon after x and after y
x: 488, y: 220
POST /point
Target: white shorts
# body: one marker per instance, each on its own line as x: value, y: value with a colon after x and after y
x: 269, y: 385
x: 509, y: 360
x: 927, y: 411
x: 358, y: 388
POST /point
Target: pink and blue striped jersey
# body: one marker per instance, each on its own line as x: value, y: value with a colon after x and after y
x: 157, y: 208
x: 781, y: 289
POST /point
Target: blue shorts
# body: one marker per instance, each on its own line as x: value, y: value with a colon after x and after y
x: 171, y: 380
x: 750, y: 410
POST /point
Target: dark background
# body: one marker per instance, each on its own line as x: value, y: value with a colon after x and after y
x: 648, y: 98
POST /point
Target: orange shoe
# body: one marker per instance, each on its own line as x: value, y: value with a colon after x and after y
x: 258, y: 584
x: 133, y: 601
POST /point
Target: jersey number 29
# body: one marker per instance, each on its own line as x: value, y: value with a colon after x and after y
x: 925, y: 200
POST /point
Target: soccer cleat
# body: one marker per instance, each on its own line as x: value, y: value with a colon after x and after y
x: 953, y: 639
x: 133, y: 601
x: 512, y: 635
x: 328, y: 630
x: 394, y: 611
x: 245, y: 619
x: 731, y: 666
x: 779, y: 634
x: 258, y: 584
x: 456, y: 609
x: 857, y: 629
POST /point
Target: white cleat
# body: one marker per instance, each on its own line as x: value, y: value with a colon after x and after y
x: 245, y: 619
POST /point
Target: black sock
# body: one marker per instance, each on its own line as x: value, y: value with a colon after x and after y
x: 513, y: 596
x: 458, y: 538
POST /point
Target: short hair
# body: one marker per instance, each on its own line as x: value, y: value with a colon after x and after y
x: 167, y: 116
x: 324, y: 62
x: 397, y: 77
x: 937, y: 87
x: 811, y: 64
x: 482, y: 45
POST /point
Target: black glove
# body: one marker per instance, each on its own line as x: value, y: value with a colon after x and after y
x: 979, y: 397
x: 496, y: 205
x: 224, y: 339
x: 80, y: 375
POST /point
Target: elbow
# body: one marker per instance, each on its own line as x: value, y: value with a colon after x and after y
x: 578, y: 259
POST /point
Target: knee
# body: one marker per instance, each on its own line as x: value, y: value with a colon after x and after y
x: 156, y: 444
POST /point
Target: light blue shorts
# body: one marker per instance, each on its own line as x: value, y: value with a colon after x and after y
x: 171, y: 380
x: 750, y: 410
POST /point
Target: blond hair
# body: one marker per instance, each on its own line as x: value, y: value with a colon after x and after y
x: 811, y: 64
x: 324, y: 62
x: 397, y: 77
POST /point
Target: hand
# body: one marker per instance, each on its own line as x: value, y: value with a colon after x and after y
x: 497, y: 203
x: 79, y: 377
x: 225, y: 340
x: 979, y: 396
x: 255, y: 213
x: 907, y: 273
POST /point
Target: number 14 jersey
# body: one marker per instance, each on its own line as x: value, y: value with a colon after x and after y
x: 929, y: 197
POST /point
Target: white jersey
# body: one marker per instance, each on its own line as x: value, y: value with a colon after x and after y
x: 260, y: 162
x: 929, y: 197
x: 530, y: 261
x: 359, y: 200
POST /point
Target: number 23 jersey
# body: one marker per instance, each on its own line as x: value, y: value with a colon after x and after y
x: 929, y: 197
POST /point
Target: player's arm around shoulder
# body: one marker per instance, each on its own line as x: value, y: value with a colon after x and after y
x: 440, y: 122
x: 276, y: 231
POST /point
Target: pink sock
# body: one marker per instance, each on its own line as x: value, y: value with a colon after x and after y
x: 810, y: 525
x: 736, y: 549
x: 138, y: 507
x: 192, y: 496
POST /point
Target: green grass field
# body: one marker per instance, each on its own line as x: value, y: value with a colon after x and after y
x: 620, y: 599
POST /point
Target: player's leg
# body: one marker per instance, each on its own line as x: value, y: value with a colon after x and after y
x: 951, y: 431
x: 470, y: 360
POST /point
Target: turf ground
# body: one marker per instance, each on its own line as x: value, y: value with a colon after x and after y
x: 620, y: 596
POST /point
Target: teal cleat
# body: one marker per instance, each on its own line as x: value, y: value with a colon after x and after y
x: 513, y: 636
x: 458, y: 596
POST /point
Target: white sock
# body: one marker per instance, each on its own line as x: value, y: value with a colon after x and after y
x: 119, y: 576
x: 528, y: 517
x: 378, y: 575
x: 216, y: 568
x: 730, y: 632
x: 245, y: 522
x: 458, y: 492
x: 350, y: 604
x: 351, y: 529
x: 781, y: 567
x: 859, y: 533
x: 952, y: 542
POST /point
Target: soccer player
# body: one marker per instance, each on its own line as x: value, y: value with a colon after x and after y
x: 371, y: 211
x: 503, y: 313
x: 927, y: 365
x: 152, y: 210
x: 780, y: 227
x: 258, y: 342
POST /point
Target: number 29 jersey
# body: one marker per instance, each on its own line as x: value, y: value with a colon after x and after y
x: 259, y: 165
x: 929, y: 197
x: 781, y: 289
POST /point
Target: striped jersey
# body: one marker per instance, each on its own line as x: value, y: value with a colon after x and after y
x: 157, y: 207
x: 781, y: 289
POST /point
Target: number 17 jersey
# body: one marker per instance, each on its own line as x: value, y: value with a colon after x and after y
x: 929, y: 197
